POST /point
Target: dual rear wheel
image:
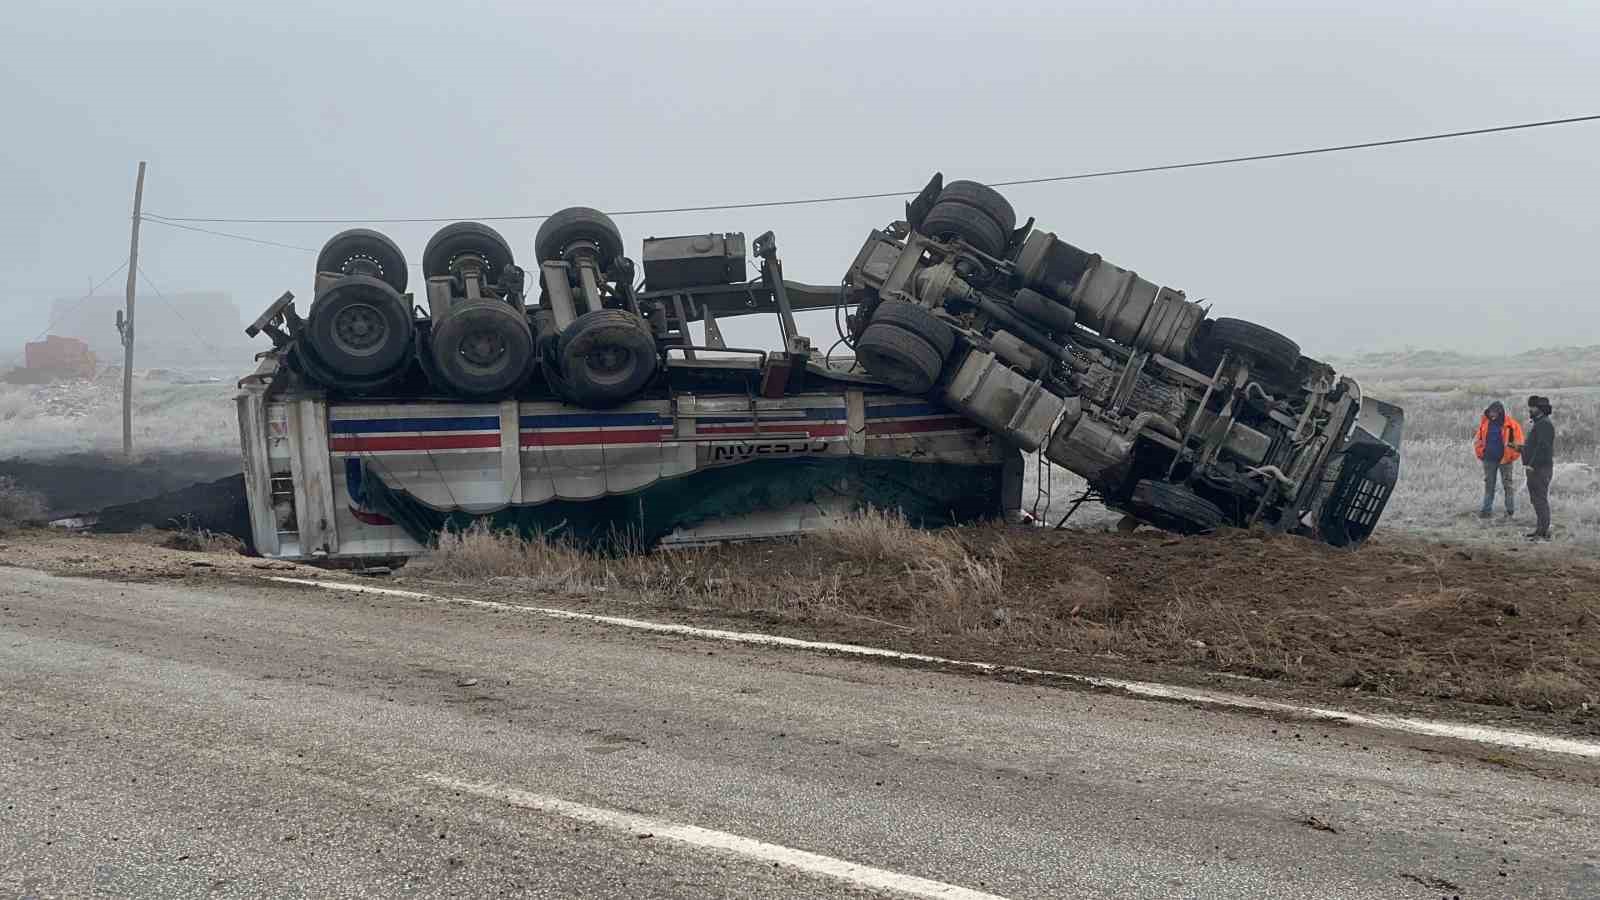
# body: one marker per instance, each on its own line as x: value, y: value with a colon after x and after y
x: 973, y: 212
x: 905, y: 346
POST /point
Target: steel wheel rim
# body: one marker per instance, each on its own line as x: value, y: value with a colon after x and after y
x: 360, y: 329
x: 483, y: 349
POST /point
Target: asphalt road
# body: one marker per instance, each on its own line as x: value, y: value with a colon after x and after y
x: 271, y: 740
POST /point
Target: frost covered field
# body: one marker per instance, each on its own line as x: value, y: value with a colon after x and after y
x: 1441, y: 482
x: 41, y: 421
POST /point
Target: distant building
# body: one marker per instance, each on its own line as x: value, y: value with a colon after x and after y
x: 174, y: 330
x: 53, y: 359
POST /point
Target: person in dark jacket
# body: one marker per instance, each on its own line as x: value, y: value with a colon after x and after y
x: 1539, y: 459
x: 1498, y: 437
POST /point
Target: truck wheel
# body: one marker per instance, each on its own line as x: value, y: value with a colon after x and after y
x: 466, y: 239
x: 359, y: 328
x: 919, y: 321
x: 899, y: 358
x: 952, y: 218
x: 362, y: 251
x: 607, y: 356
x: 307, y: 364
x: 482, y: 349
x: 984, y: 198
x: 1275, y: 353
x: 1174, y: 507
x: 578, y: 223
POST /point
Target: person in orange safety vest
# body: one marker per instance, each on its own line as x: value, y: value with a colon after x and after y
x: 1499, y: 436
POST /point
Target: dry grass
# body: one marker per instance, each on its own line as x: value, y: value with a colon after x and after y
x: 18, y: 505
x: 1411, y: 620
x: 202, y: 540
x: 953, y: 587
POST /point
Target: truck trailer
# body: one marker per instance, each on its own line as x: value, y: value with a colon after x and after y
x: 578, y: 400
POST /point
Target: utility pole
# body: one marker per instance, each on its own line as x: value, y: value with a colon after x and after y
x: 125, y: 325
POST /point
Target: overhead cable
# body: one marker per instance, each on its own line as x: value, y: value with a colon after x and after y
x: 841, y: 198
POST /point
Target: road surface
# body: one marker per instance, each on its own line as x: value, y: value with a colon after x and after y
x: 255, y: 739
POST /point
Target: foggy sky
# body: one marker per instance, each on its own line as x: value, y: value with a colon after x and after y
x: 407, y: 109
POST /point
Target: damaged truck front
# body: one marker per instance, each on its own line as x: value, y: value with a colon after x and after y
x: 606, y: 407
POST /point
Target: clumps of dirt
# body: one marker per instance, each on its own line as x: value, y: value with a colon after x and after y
x: 145, y: 555
x: 1398, y: 618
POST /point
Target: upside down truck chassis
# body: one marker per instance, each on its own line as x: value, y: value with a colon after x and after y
x: 606, y: 407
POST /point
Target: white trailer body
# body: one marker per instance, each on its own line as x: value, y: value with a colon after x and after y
x: 309, y: 463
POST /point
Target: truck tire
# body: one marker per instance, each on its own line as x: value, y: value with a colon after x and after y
x: 359, y: 328
x: 1173, y: 507
x: 899, y: 358
x: 607, y: 356
x: 362, y: 251
x: 918, y: 321
x: 984, y: 198
x: 578, y: 223
x: 1268, y: 349
x: 462, y: 239
x: 952, y: 218
x: 306, y: 364
x: 482, y: 350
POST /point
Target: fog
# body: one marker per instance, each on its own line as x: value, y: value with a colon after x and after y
x: 398, y: 109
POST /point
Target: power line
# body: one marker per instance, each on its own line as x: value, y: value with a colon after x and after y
x: 237, y: 237
x: 157, y: 220
x: 840, y: 198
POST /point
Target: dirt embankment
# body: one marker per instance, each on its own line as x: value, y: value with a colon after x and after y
x: 1399, y: 619
x: 1507, y: 636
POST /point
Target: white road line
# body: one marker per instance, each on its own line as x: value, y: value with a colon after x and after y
x: 1483, y: 734
x: 694, y: 835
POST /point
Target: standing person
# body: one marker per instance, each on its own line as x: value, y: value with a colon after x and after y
x: 1496, y: 445
x: 1539, y: 458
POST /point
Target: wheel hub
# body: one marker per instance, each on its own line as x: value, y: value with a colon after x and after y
x: 609, y: 360
x: 360, y: 329
x: 483, y: 348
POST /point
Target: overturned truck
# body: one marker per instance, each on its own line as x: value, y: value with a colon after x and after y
x: 586, y: 400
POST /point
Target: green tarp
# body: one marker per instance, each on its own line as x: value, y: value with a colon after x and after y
x: 928, y: 494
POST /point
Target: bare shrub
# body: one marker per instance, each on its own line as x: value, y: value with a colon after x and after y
x: 18, y: 505
x: 480, y: 552
x: 201, y: 540
x: 1545, y: 689
x: 875, y: 535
